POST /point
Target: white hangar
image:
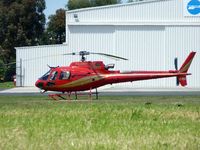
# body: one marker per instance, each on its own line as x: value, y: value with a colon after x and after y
x: 150, y: 34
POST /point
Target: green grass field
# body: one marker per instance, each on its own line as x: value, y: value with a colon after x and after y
x: 109, y: 123
x: 6, y: 85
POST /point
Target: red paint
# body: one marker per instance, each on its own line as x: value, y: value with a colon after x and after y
x: 93, y: 74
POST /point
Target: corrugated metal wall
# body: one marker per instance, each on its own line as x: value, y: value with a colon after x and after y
x: 144, y: 47
x: 180, y: 40
x: 152, y: 10
x: 92, y: 38
x: 150, y: 34
x: 35, y: 60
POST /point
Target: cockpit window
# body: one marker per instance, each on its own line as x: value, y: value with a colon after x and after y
x: 45, y: 76
x: 64, y: 75
x: 53, y: 75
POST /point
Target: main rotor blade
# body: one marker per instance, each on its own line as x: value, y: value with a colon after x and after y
x: 108, y: 55
x: 83, y: 53
x: 73, y: 53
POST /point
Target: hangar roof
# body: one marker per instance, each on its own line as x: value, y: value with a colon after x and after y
x: 40, y: 46
x: 113, y: 5
x: 149, y: 12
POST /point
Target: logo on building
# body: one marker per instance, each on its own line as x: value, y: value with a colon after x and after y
x: 192, y: 7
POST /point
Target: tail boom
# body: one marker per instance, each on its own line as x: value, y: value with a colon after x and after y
x: 147, y: 75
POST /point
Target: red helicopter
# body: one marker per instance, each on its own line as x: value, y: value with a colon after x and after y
x: 87, y: 75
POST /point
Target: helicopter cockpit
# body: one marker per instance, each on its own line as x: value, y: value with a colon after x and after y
x: 64, y: 75
x: 45, y: 76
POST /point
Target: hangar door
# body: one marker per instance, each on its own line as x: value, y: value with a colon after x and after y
x: 144, y: 46
x: 91, y: 38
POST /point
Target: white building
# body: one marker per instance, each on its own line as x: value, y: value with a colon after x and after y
x: 150, y: 34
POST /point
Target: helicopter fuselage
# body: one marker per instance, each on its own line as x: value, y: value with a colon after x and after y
x: 87, y: 75
x: 79, y: 76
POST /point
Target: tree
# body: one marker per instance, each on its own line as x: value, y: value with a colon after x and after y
x: 104, y: 2
x: 21, y: 24
x: 2, y: 70
x: 55, y: 32
x: 76, y: 4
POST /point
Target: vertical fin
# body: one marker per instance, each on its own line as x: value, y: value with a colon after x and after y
x: 184, y: 69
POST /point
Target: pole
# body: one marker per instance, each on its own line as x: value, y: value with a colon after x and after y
x: 97, y: 97
x: 20, y: 72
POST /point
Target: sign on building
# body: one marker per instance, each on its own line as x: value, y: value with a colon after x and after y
x: 191, y: 7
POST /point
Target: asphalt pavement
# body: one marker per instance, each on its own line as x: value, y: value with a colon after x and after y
x: 33, y: 91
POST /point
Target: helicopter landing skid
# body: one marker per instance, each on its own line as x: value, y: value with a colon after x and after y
x: 67, y: 96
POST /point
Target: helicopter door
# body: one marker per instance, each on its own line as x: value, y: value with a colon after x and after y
x: 52, y: 78
x: 64, y: 75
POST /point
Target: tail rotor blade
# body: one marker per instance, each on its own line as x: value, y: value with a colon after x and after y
x: 176, y: 67
x: 177, y: 81
x: 176, y: 63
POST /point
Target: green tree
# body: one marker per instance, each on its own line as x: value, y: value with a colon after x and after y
x: 2, y: 70
x: 21, y: 24
x: 55, y: 32
x: 76, y: 4
x: 104, y: 2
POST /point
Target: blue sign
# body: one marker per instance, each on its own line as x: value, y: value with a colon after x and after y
x: 193, y: 7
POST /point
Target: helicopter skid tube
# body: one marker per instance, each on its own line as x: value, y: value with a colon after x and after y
x: 67, y: 96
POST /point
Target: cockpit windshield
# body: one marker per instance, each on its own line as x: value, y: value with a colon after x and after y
x: 45, y: 76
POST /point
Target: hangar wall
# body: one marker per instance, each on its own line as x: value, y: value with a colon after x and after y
x: 144, y: 12
x: 150, y: 34
x: 146, y: 47
x: 34, y: 61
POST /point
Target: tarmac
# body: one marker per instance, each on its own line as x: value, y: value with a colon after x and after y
x: 33, y: 91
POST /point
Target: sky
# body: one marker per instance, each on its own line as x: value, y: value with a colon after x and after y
x: 53, y: 5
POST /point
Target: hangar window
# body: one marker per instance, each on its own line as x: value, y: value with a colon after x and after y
x: 53, y: 75
x: 64, y: 75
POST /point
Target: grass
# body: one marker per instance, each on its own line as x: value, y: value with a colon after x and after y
x: 6, y: 85
x: 109, y: 123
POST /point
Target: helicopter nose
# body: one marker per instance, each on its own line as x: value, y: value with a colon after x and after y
x: 39, y: 84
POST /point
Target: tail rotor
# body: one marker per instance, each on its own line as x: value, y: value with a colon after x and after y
x: 181, y: 79
x: 176, y: 67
